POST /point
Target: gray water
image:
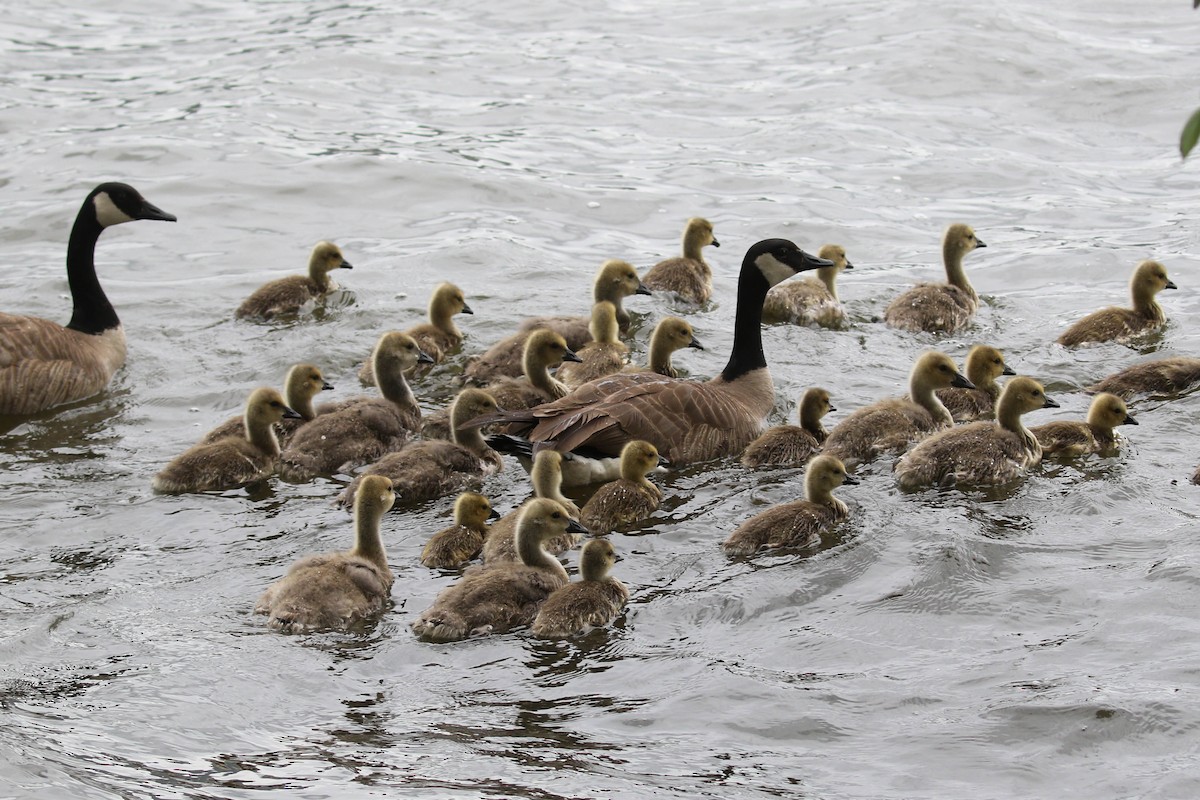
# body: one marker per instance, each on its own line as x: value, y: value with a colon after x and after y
x: 1034, y: 642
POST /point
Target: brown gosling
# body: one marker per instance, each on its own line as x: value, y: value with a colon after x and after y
x: 453, y: 547
x: 546, y: 476
x: 360, y: 430
x: 889, y: 425
x: 1163, y: 376
x: 670, y: 334
x: 437, y: 337
x: 1196, y: 476
x: 302, y: 383
x: 432, y: 468
x: 792, y: 445
x: 288, y: 295
x: 811, y: 300
x: 603, y: 355
x: 44, y: 364
x: 235, y: 460
x: 627, y: 500
x: 1096, y: 435
x: 614, y: 281
x: 1115, y: 324
x: 687, y: 276
x: 495, y: 599
x: 335, y: 590
x: 593, y: 601
x: 799, y: 523
x: 985, y: 453
x: 940, y: 307
x: 984, y: 364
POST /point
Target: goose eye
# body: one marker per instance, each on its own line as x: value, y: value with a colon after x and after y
x: 1036, y: 393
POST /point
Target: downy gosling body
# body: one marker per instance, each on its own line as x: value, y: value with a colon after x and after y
x: 453, y: 547
x: 1162, y: 376
x: 603, y: 355
x: 792, y: 445
x: 1116, y: 324
x: 627, y: 500
x: 940, y: 307
x: 593, y: 601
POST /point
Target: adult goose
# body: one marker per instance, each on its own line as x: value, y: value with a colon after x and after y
x: 1163, y: 376
x: 42, y: 363
x: 813, y: 300
x: 792, y: 445
x: 1116, y: 324
x: 687, y: 421
x: 288, y: 295
x: 302, y: 383
x: 940, y: 307
x: 591, y: 602
x: 1095, y: 435
x: 686, y: 276
x: 437, y: 337
x: 335, y: 590
x: 984, y: 364
x: 986, y: 453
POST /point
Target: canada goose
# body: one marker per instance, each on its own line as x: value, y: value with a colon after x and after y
x: 362, y: 429
x: 940, y: 307
x: 889, y: 425
x: 688, y: 276
x: 792, y: 445
x: 670, y: 334
x: 287, y: 295
x: 603, y: 355
x: 799, y: 523
x: 591, y: 602
x: 1096, y: 435
x: 984, y: 364
x: 614, y: 281
x: 629, y: 499
x: 334, y: 590
x: 42, y: 363
x: 235, y: 460
x: 811, y: 300
x: 687, y: 421
x: 980, y: 453
x: 1115, y: 324
x: 439, y: 335
x: 494, y: 599
x: 434, y: 467
x: 1160, y: 376
x: 545, y: 475
x: 302, y: 383
x: 451, y: 548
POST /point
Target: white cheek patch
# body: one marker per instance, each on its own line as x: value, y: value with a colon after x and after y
x: 107, y: 212
x: 774, y: 270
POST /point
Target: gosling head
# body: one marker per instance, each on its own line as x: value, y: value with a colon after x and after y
x: 1149, y: 278
x: 448, y: 300
x: 700, y: 232
x: 545, y: 349
x: 1023, y: 394
x: 396, y: 352
x: 960, y: 239
x: 837, y: 254
x: 638, y: 458
x: 673, y: 333
x: 327, y: 256
x: 934, y: 370
x: 597, y: 559
x: 985, y: 364
x: 814, y: 404
x: 374, y: 495
x: 265, y: 407
x: 473, y: 510
x: 1107, y: 411
x: 543, y: 518
x: 303, y: 383
x: 617, y: 279
x: 824, y: 474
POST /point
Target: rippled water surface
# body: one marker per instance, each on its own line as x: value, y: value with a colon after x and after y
x: 939, y: 645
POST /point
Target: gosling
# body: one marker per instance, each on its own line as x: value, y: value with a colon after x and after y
x: 453, y: 547
x: 811, y: 300
x: 288, y: 295
x: 940, y: 307
x: 629, y: 499
x: 792, y: 445
x: 592, y: 602
x: 1096, y: 435
x: 1115, y: 324
x: 984, y: 364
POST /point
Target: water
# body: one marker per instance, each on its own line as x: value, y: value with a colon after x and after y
x: 940, y: 644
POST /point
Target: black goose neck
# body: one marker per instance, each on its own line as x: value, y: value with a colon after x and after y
x: 747, y: 354
x: 92, y: 312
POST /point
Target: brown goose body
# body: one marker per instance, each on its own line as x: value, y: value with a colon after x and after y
x: 495, y: 599
x: 546, y: 477
x: 940, y: 307
x: 233, y: 461
x: 984, y: 365
x: 358, y: 431
x: 591, y: 602
x: 614, y: 281
x: 288, y: 295
x: 1115, y: 324
x: 44, y: 364
x: 302, y: 383
x: 627, y: 500
x: 792, y: 445
x: 799, y: 523
x: 438, y: 337
x: 687, y: 421
x: 453, y: 547
x: 433, y: 468
x: 1161, y: 376
x: 890, y: 425
x: 980, y: 453
x: 1096, y: 434
x: 335, y: 590
x: 688, y: 275
x: 813, y: 300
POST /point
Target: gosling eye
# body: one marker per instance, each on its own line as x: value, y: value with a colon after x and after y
x: 1036, y: 393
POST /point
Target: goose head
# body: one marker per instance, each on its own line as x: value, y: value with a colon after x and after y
x: 638, y: 458
x: 934, y: 370
x: 617, y: 279
x: 446, y: 301
x: 603, y: 326
x: 1021, y: 395
x: 960, y: 239
x: 1107, y: 411
x: 824, y: 474
x: 984, y: 364
x: 814, y: 404
x: 597, y: 559
x: 698, y: 233
x: 1149, y: 278
x: 302, y: 384
x: 473, y: 510
x: 114, y: 203
x: 776, y: 260
x: 396, y: 353
x: 326, y: 257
